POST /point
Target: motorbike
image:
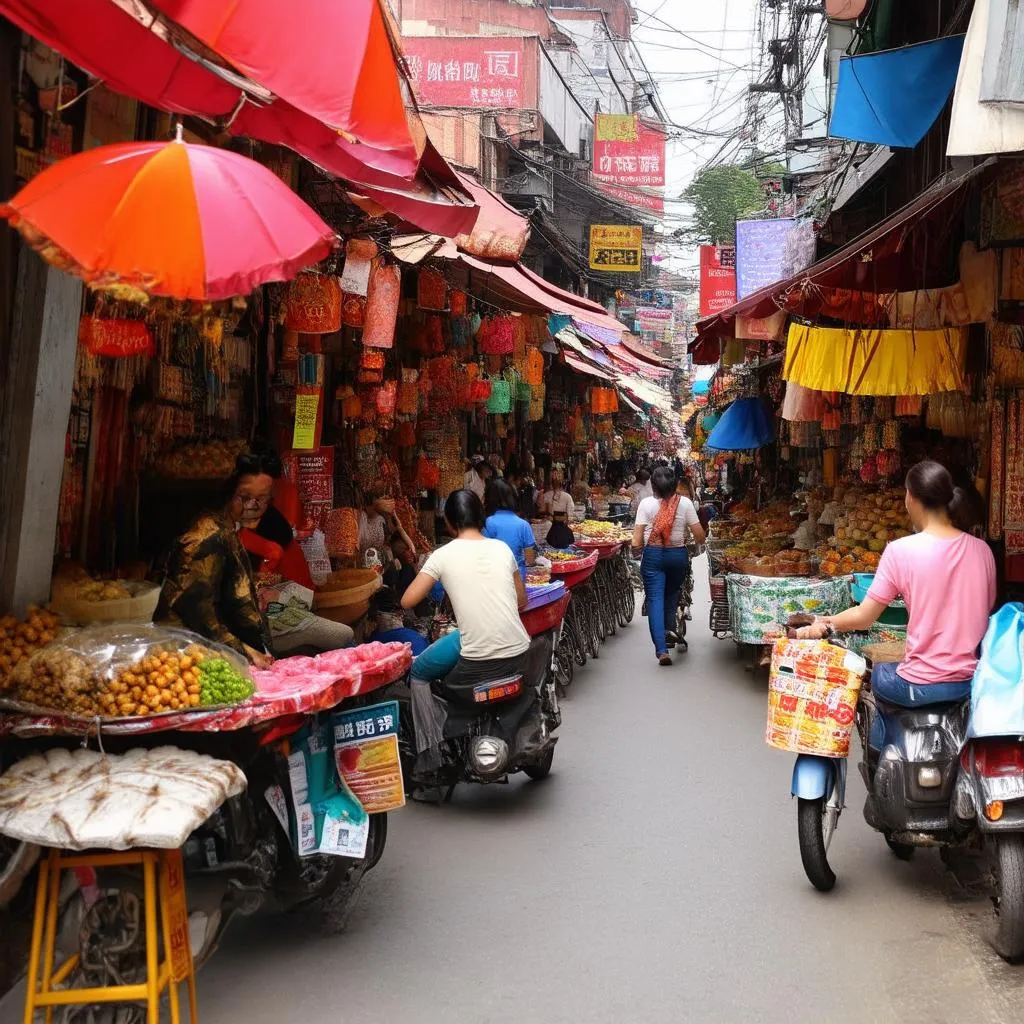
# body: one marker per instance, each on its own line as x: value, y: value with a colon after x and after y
x: 495, y: 726
x: 239, y: 860
x: 933, y: 779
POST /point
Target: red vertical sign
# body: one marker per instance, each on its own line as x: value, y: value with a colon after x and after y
x: 717, y: 278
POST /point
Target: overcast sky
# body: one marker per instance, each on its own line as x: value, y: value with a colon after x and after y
x: 702, y: 55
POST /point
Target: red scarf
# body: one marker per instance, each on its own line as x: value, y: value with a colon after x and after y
x: 661, y: 531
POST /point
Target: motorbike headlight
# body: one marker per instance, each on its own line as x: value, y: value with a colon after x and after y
x: 488, y: 756
x: 929, y: 778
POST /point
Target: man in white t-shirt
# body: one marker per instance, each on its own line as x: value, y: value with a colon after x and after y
x: 482, y: 580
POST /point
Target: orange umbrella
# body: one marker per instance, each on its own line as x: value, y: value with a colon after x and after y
x: 169, y: 218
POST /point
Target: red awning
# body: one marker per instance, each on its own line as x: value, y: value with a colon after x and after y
x: 646, y: 354
x: 518, y: 280
x: 629, y: 363
x: 576, y: 300
x: 333, y: 61
x: 897, y: 254
x: 500, y: 232
x: 110, y: 44
x: 582, y: 366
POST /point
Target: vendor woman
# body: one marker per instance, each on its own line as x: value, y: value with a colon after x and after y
x: 209, y: 587
x: 378, y: 522
x: 557, y: 504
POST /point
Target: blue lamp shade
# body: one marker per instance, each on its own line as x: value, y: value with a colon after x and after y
x: 701, y: 387
x: 743, y: 426
x: 893, y: 97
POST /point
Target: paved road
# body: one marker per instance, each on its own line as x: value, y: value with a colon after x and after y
x: 654, y: 877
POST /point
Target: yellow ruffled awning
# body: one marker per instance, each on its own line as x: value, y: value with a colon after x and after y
x: 875, y: 362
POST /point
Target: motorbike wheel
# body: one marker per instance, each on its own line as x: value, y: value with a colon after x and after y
x: 565, y: 669
x: 336, y: 889
x: 811, y: 826
x: 595, y: 634
x: 542, y: 768
x: 1009, y: 938
x: 902, y: 851
x: 573, y: 634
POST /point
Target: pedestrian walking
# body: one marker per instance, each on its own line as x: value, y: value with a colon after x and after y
x: 665, y: 523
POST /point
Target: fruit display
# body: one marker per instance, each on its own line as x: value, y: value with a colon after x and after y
x: 868, y: 520
x: 110, y: 673
x: 595, y: 531
x: 782, y: 563
x: 537, y: 575
x: 21, y: 638
x: 570, y: 554
x: 221, y: 683
x: 759, y: 536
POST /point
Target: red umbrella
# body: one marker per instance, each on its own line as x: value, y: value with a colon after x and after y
x: 185, y: 221
x: 332, y: 59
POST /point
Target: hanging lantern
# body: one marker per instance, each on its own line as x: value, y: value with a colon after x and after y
x: 313, y: 305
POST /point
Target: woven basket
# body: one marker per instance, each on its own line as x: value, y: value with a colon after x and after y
x: 346, y: 587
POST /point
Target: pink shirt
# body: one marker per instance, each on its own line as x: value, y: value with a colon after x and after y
x: 949, y: 587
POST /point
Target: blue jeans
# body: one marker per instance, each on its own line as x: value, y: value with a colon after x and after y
x: 438, y: 659
x: 663, y: 571
x: 889, y: 686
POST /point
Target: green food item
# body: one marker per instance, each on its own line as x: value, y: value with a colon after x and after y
x: 221, y: 683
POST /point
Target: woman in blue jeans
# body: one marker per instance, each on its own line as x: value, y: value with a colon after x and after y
x: 664, y: 524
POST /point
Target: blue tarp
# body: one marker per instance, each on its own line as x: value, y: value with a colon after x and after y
x: 744, y: 425
x: 701, y: 387
x: 894, y: 97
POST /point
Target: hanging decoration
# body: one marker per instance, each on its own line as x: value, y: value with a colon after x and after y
x: 431, y: 289
x: 385, y: 292
x: 313, y: 304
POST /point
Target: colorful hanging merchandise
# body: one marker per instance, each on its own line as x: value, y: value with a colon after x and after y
x: 313, y: 304
x: 408, y: 403
x: 603, y: 401
x: 497, y: 336
x: 500, y: 399
x: 875, y: 362
x: 458, y: 303
x: 385, y: 292
x: 1013, y: 505
x: 431, y: 289
x: 998, y: 459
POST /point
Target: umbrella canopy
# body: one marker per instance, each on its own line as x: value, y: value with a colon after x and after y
x: 744, y: 425
x: 169, y: 218
x: 334, y: 61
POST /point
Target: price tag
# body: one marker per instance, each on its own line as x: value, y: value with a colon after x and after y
x: 306, y: 407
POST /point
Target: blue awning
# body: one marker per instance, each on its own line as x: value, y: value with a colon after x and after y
x: 893, y: 97
x: 744, y: 425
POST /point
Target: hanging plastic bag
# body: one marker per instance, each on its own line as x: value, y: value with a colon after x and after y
x: 997, y: 693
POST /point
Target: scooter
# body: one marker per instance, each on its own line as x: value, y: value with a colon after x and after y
x: 935, y: 777
x: 493, y: 727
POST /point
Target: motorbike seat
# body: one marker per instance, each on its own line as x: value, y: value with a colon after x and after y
x: 915, y: 696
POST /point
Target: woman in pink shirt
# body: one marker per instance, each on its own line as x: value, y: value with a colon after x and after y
x: 947, y: 579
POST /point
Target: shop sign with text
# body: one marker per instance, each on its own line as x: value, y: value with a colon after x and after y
x: 616, y: 248
x: 478, y: 71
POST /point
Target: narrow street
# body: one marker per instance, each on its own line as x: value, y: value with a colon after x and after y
x: 654, y: 877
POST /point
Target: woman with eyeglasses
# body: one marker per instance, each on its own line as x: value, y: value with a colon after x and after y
x: 209, y: 588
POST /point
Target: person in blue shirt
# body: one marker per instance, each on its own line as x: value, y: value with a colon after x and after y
x: 504, y: 524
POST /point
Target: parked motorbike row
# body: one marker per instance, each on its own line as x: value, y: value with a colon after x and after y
x: 943, y: 766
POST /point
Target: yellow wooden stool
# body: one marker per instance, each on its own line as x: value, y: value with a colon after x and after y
x: 163, y: 880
